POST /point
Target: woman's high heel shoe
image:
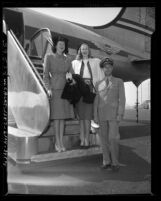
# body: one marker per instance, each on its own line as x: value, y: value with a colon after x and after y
x: 86, y: 143
x: 63, y: 149
x: 82, y: 143
x: 58, y: 149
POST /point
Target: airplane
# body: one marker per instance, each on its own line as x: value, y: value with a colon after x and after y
x: 29, y: 38
x: 131, y: 64
x: 132, y: 28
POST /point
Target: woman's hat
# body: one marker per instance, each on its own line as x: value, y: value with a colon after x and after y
x: 107, y: 60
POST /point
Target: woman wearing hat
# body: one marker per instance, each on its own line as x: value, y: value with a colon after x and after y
x: 88, y: 68
x: 109, y: 109
x: 56, y: 66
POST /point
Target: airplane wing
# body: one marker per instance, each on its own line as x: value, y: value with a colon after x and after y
x: 141, y: 61
x: 131, y: 29
x: 71, y: 29
x: 78, y: 33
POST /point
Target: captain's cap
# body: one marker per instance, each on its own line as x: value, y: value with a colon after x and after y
x: 107, y: 60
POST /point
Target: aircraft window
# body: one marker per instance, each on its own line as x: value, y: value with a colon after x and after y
x: 27, y: 48
x: 40, y: 44
x: 44, y: 40
x: 33, y: 50
x: 49, y: 48
x: 37, y: 46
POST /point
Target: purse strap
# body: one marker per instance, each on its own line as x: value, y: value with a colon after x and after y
x: 90, y: 71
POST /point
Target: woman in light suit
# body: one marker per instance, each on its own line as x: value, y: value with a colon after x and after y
x: 56, y: 66
x: 88, y: 68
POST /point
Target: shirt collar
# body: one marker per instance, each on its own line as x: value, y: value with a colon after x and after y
x: 109, y: 77
x: 85, y: 60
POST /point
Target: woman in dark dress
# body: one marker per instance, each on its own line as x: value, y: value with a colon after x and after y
x: 88, y: 68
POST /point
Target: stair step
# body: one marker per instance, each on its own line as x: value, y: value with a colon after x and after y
x: 39, y: 68
x: 74, y: 153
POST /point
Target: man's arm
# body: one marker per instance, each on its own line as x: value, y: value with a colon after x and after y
x: 122, y: 100
x: 96, y: 105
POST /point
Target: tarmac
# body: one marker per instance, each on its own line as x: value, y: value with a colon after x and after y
x: 83, y: 176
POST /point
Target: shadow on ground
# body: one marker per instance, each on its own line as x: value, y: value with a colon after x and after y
x: 133, y: 169
x: 134, y: 131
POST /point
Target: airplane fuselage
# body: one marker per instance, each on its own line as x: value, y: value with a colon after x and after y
x: 31, y: 21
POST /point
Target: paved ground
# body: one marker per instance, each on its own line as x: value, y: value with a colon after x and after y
x: 82, y: 176
x: 143, y: 114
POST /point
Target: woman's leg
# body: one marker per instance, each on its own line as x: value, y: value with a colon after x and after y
x: 82, y: 132
x: 57, y: 131
x: 87, y: 131
x: 52, y: 139
x: 62, y: 123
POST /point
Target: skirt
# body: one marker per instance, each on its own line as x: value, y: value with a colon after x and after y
x: 84, y: 110
x: 60, y: 108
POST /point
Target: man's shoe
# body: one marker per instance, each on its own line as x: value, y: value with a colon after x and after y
x: 115, y: 168
x: 106, y: 166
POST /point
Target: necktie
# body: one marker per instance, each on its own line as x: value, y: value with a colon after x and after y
x: 107, y: 81
x: 89, y: 69
x: 82, y: 69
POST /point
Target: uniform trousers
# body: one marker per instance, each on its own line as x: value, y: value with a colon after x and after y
x: 109, y: 136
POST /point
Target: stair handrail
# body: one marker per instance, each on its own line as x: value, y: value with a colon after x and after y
x: 31, y: 64
x: 36, y: 74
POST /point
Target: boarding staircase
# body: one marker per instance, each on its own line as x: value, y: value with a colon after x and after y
x: 24, y: 144
x: 71, y: 126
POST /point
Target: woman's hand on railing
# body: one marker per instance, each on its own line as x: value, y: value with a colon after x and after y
x: 50, y: 93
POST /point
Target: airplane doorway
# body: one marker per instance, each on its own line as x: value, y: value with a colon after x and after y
x: 14, y: 21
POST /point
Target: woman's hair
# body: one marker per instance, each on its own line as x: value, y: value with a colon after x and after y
x: 79, y: 55
x: 56, y: 39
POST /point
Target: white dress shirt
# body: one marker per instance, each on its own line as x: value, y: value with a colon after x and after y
x: 97, y: 72
x: 86, y: 73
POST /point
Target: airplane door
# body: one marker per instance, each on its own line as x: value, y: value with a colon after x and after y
x: 14, y: 21
x: 41, y: 43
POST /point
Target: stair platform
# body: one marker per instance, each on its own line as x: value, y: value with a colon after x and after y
x: 73, y: 153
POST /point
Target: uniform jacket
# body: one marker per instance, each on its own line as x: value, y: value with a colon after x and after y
x: 111, y: 101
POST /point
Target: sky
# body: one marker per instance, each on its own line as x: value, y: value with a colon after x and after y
x: 98, y: 17
x: 143, y: 92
